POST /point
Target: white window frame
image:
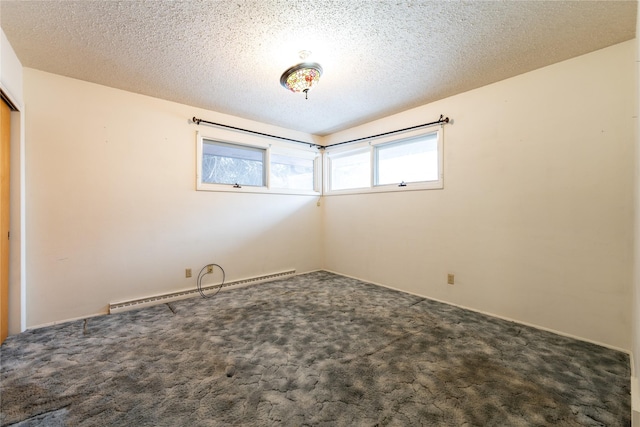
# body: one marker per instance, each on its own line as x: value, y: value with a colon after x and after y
x: 372, y: 188
x: 250, y: 141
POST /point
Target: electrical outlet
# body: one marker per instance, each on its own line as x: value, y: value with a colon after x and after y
x: 450, y: 279
x: 187, y: 272
x: 209, y: 268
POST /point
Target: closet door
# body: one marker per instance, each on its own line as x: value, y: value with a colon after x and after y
x: 5, y: 121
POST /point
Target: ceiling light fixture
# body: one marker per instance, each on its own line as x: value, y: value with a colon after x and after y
x: 301, y: 77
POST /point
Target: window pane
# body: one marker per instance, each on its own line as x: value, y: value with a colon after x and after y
x: 414, y: 160
x: 232, y: 164
x: 351, y: 170
x: 292, y: 172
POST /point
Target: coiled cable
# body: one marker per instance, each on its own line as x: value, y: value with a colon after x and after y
x: 204, y: 272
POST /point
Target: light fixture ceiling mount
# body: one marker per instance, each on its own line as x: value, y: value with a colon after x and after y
x: 301, y: 77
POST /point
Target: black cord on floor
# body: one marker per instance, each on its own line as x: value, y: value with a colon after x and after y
x: 204, y: 272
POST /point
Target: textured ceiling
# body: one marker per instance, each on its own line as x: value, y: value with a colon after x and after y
x: 379, y: 57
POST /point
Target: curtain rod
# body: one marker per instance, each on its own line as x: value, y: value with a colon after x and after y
x: 442, y: 120
x: 310, y: 144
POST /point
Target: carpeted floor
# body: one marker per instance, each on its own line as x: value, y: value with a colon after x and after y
x: 319, y: 350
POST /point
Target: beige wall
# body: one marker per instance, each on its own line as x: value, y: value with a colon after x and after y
x: 536, y: 216
x: 112, y: 211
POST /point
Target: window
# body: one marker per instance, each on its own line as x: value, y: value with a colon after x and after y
x: 351, y: 169
x: 292, y: 172
x: 260, y: 165
x: 411, y: 163
x: 257, y: 167
x: 224, y: 163
x: 412, y: 160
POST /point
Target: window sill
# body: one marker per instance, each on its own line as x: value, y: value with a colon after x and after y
x: 417, y: 186
x: 255, y: 190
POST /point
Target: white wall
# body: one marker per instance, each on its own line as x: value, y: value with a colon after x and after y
x: 11, y: 84
x: 536, y: 216
x: 112, y: 211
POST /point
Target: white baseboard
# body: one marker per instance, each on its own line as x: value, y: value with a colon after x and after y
x: 59, y: 322
x: 250, y: 281
x: 532, y: 325
x: 635, y: 402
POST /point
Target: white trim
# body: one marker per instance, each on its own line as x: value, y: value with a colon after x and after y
x: 23, y: 224
x: 6, y: 96
x: 416, y: 186
x: 532, y: 325
x: 635, y: 401
x: 60, y: 322
x: 634, y: 392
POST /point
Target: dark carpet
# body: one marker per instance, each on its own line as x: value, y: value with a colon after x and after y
x: 314, y: 350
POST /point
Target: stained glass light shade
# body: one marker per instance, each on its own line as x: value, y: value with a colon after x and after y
x: 301, y: 77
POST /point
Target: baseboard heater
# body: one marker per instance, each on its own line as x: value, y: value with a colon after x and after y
x: 175, y: 296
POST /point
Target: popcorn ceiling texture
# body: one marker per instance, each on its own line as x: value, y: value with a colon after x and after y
x: 314, y: 350
x: 379, y: 57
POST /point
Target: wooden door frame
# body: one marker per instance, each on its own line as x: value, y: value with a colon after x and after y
x: 17, y: 278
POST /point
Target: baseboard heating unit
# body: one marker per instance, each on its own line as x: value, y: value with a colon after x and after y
x: 175, y: 296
